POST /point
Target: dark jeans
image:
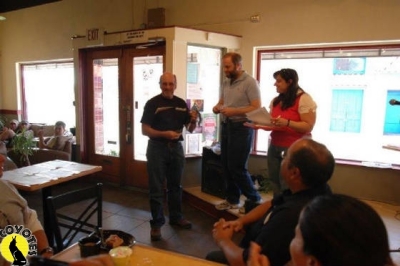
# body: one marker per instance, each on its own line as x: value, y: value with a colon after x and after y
x: 236, y: 141
x: 274, y: 160
x: 165, y: 162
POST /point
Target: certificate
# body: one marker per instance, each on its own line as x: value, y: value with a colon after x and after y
x: 260, y: 116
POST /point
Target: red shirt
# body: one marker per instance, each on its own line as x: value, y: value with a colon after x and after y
x: 286, y: 136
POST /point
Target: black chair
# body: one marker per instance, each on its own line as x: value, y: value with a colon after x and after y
x: 66, y: 224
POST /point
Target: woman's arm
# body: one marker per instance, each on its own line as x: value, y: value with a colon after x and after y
x: 306, y: 123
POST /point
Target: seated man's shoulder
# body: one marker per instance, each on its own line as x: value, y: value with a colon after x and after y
x: 67, y: 134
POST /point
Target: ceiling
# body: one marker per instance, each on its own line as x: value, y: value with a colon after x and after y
x: 11, y: 5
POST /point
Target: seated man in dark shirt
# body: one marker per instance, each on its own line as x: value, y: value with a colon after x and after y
x: 306, y: 169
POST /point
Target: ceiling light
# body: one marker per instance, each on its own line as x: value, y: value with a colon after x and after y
x: 2, y: 18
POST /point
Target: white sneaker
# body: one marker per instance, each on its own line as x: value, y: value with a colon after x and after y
x: 225, y: 205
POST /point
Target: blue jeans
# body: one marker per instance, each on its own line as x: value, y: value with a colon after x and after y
x: 165, y: 162
x: 236, y: 141
x: 274, y: 160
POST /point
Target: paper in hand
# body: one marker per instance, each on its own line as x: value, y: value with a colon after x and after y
x: 260, y: 116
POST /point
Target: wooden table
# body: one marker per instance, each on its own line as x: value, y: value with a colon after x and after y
x: 45, y: 175
x: 142, y: 255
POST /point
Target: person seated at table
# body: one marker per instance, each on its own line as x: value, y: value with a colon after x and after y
x: 16, y: 129
x: 9, y: 132
x: 14, y: 210
x: 306, y: 169
x: 351, y: 230
x: 58, y: 140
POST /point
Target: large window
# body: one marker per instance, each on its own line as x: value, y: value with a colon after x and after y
x: 203, y: 82
x: 352, y: 88
x: 49, y: 92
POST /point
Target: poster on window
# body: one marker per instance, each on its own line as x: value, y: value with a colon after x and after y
x: 193, y: 143
x: 210, y: 132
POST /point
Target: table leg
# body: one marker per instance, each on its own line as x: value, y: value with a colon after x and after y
x: 46, y: 192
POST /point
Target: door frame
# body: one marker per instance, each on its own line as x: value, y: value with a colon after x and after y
x: 125, y: 162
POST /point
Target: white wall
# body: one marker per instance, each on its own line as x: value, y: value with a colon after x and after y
x: 44, y: 32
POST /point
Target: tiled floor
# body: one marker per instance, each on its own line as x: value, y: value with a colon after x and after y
x: 128, y: 210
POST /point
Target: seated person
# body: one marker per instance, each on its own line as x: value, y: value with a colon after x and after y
x: 10, y: 131
x: 15, y: 129
x: 24, y: 128
x: 14, y: 210
x: 56, y: 142
x: 306, y: 169
x: 352, y: 232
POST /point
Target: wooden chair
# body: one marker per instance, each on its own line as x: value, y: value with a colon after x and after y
x: 66, y: 224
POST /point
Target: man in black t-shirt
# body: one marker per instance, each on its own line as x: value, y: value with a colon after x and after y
x: 306, y: 169
x: 163, y: 119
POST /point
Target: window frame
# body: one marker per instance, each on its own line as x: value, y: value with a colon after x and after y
x: 22, y: 65
x: 327, y: 51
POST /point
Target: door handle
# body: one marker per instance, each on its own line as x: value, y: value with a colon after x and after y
x: 128, y: 134
x: 128, y: 138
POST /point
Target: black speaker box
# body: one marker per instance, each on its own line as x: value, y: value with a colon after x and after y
x: 155, y: 18
x: 212, y: 176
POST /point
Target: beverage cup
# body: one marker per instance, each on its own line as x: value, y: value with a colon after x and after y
x: 89, y: 246
x: 121, y: 256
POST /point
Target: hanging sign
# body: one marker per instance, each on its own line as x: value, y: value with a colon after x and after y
x: 95, y: 36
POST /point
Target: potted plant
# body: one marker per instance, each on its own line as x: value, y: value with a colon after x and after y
x: 23, y: 145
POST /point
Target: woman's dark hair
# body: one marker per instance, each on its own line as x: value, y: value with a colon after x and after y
x: 341, y: 230
x: 289, y: 97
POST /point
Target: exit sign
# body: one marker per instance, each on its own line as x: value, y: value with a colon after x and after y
x: 95, y: 36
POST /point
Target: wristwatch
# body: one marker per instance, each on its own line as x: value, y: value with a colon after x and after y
x: 46, y: 250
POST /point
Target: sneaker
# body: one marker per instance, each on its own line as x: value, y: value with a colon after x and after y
x: 182, y: 223
x: 225, y: 205
x: 155, y: 234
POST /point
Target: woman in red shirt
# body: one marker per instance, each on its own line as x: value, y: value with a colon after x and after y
x: 293, y: 115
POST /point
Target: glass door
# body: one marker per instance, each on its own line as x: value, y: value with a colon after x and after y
x: 147, y: 71
x: 119, y: 82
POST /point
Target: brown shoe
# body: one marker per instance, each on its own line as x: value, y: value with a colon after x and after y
x: 182, y: 223
x: 155, y: 234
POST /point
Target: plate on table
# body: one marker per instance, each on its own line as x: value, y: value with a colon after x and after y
x: 128, y: 239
